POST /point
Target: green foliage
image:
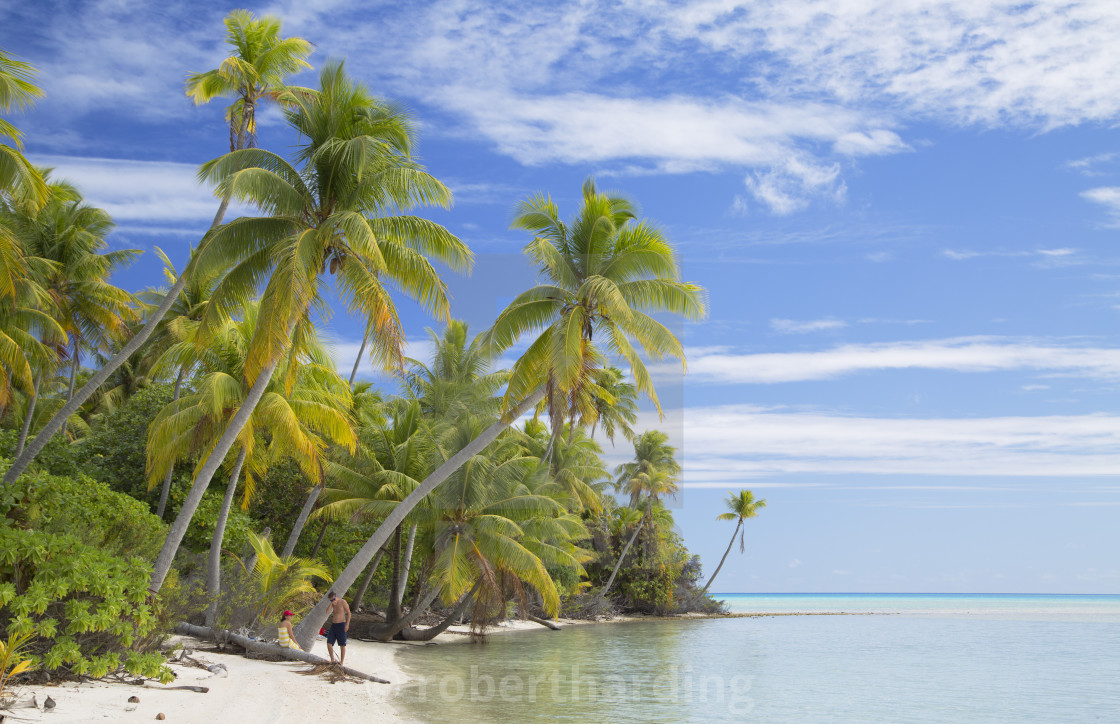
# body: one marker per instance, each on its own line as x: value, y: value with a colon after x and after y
x: 58, y: 456
x: 70, y: 576
x: 201, y: 531
x: 115, y: 452
x: 84, y: 508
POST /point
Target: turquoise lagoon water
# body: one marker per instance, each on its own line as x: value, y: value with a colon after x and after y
x: 926, y: 658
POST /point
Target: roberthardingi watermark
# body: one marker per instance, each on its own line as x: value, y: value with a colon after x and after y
x: 556, y: 686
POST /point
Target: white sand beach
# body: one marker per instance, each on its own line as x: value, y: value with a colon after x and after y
x: 254, y: 691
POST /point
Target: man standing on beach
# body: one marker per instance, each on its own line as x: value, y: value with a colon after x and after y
x: 340, y: 625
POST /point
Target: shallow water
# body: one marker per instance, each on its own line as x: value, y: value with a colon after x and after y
x: 932, y: 659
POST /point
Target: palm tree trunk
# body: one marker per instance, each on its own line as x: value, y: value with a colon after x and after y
x: 406, y: 563
x: 404, y: 622
x: 721, y: 560
x: 319, y: 540
x: 30, y: 415
x: 214, y: 565
x: 314, y: 620
x: 19, y: 465
x: 75, y: 363
x: 301, y: 521
x: 411, y: 634
x: 165, y: 489
x: 357, y: 602
x: 622, y: 556
x: 179, y: 528
x: 358, y: 361
x: 393, y: 611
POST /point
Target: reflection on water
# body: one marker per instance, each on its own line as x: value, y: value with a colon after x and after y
x: 901, y: 668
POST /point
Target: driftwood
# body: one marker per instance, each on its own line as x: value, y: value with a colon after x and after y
x: 259, y: 647
x: 543, y: 622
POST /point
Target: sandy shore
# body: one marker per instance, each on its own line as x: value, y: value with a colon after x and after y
x: 254, y: 691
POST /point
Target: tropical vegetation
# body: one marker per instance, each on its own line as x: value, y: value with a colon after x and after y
x: 471, y: 484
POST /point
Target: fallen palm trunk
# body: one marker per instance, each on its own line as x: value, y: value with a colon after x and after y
x: 543, y: 622
x: 259, y: 647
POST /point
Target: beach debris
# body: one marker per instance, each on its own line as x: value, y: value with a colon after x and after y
x: 161, y: 716
x: 133, y: 700
x: 49, y: 703
x: 196, y: 689
x: 218, y: 670
x: 331, y: 672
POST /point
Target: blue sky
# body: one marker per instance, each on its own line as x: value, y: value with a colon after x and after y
x: 905, y: 213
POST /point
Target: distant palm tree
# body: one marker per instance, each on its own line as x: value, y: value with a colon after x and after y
x: 740, y: 507
x: 261, y: 61
x: 614, y: 404
x: 652, y: 451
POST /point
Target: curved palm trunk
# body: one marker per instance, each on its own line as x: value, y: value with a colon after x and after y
x: 357, y: 601
x: 622, y: 556
x: 313, y: 621
x: 404, y: 622
x: 30, y: 415
x: 214, y: 564
x: 301, y: 521
x: 206, y: 474
x: 411, y: 634
x: 721, y: 560
x: 358, y: 361
x: 165, y: 489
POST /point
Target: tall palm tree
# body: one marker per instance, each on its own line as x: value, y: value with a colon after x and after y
x: 602, y: 277
x: 18, y: 178
x: 256, y: 45
x: 739, y: 507
x: 576, y: 471
x: 337, y: 212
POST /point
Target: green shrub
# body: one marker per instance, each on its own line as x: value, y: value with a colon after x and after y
x: 201, y: 530
x: 74, y: 573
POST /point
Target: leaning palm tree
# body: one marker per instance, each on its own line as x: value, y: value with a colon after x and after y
x: 602, y: 277
x: 337, y: 212
x: 740, y: 507
x: 257, y: 46
x: 302, y: 411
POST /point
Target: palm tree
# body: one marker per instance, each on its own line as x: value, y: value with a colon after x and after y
x: 614, y: 404
x: 66, y: 238
x: 740, y: 507
x: 302, y: 411
x: 654, y: 472
x: 603, y: 275
x: 652, y: 451
x: 576, y: 471
x: 18, y: 178
x: 258, y: 82
x: 336, y: 213
x: 187, y: 308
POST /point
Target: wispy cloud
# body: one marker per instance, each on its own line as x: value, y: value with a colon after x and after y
x: 1090, y: 165
x: 790, y: 326
x: 147, y: 195
x: 967, y: 354
x: 1109, y: 198
x: 729, y: 445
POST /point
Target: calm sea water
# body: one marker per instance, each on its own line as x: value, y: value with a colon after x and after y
x: 927, y: 658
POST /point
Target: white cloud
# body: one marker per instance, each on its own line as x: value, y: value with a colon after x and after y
x: 795, y: 563
x: 147, y: 194
x: 873, y: 143
x: 966, y: 354
x: 793, y: 184
x: 790, y: 326
x: 1089, y: 166
x: 1109, y: 198
x: 732, y: 445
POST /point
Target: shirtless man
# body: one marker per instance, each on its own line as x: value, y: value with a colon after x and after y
x: 340, y: 625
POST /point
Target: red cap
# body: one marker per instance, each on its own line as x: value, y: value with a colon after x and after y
x: 287, y: 613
